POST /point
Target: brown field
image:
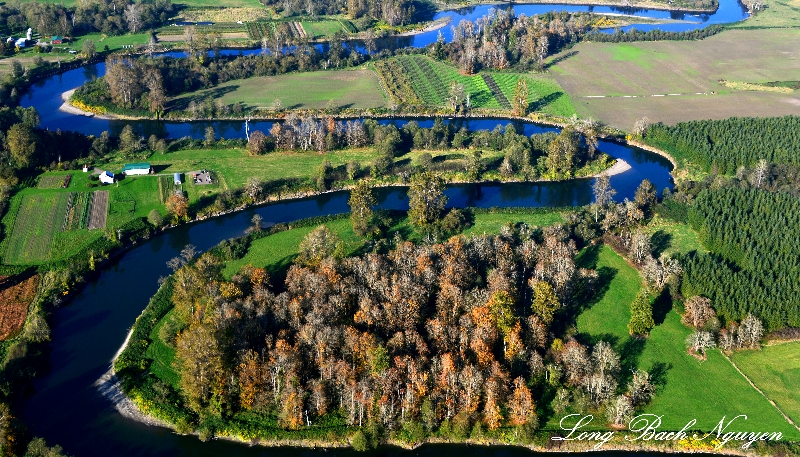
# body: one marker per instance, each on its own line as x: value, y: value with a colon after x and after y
x: 619, y: 83
x: 14, y: 301
x: 99, y: 210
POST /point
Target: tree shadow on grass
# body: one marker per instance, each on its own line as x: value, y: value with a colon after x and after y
x: 560, y: 59
x: 658, y: 374
x: 629, y: 354
x: 588, y: 257
x: 182, y: 103
x: 538, y: 105
x: 660, y: 241
x: 662, y: 307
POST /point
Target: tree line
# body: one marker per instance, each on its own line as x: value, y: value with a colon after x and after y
x: 753, y: 258
x: 726, y: 145
x: 112, y: 17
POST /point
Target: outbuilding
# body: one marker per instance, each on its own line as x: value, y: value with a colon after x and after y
x: 20, y: 43
x: 141, y: 168
x: 57, y: 39
x: 107, y: 177
x: 178, y: 179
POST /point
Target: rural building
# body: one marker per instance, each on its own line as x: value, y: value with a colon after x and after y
x: 20, y: 43
x: 57, y: 40
x: 107, y: 177
x: 131, y: 169
x: 177, y: 179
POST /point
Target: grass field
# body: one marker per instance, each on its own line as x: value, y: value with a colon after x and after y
x: 776, y: 371
x: 687, y: 389
x: 670, y: 237
x: 314, y: 90
x: 277, y: 251
x: 618, y: 83
x: 778, y: 13
x: 162, y: 356
x: 318, y: 29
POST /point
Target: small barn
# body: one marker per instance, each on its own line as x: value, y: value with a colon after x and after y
x: 132, y: 169
x: 178, y: 181
x: 107, y: 177
x: 57, y: 39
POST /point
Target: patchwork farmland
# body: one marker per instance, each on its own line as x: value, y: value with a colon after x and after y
x: 35, y: 219
x: 421, y: 80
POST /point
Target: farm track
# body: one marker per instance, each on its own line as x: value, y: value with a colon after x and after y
x: 496, y: 92
x: 97, y: 218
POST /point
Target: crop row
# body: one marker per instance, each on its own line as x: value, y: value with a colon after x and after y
x: 54, y: 181
x: 77, y: 211
x: 259, y: 30
x: 34, y: 227
x: 496, y: 92
x: 220, y: 27
x: 397, y: 82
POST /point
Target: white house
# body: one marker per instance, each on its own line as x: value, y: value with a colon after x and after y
x: 107, y: 177
x: 20, y: 43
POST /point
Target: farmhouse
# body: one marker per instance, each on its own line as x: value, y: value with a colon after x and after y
x: 57, y: 39
x: 107, y: 177
x: 141, y: 168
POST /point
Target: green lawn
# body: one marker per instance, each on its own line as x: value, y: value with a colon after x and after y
x: 318, y: 29
x: 670, y: 237
x: 687, y: 388
x: 113, y: 42
x: 162, y: 356
x: 607, y: 319
x: 310, y: 90
x: 776, y: 371
x: 492, y: 223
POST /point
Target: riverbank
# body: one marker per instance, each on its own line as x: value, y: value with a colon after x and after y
x: 644, y: 4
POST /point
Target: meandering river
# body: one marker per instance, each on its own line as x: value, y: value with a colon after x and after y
x: 67, y: 408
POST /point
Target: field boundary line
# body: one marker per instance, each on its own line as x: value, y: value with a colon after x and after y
x: 754, y: 386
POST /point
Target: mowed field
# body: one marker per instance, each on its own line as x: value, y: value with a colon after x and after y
x: 347, y: 89
x: 686, y: 388
x: 618, y: 83
x: 776, y: 371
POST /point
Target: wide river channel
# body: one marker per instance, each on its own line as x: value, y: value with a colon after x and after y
x: 68, y: 409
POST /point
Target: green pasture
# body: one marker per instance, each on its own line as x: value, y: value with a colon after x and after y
x: 311, y: 90
x: 319, y: 29
x: 687, y: 388
x: 669, y: 237
x: 775, y: 370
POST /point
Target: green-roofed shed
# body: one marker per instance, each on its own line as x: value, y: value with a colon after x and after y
x: 141, y: 168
